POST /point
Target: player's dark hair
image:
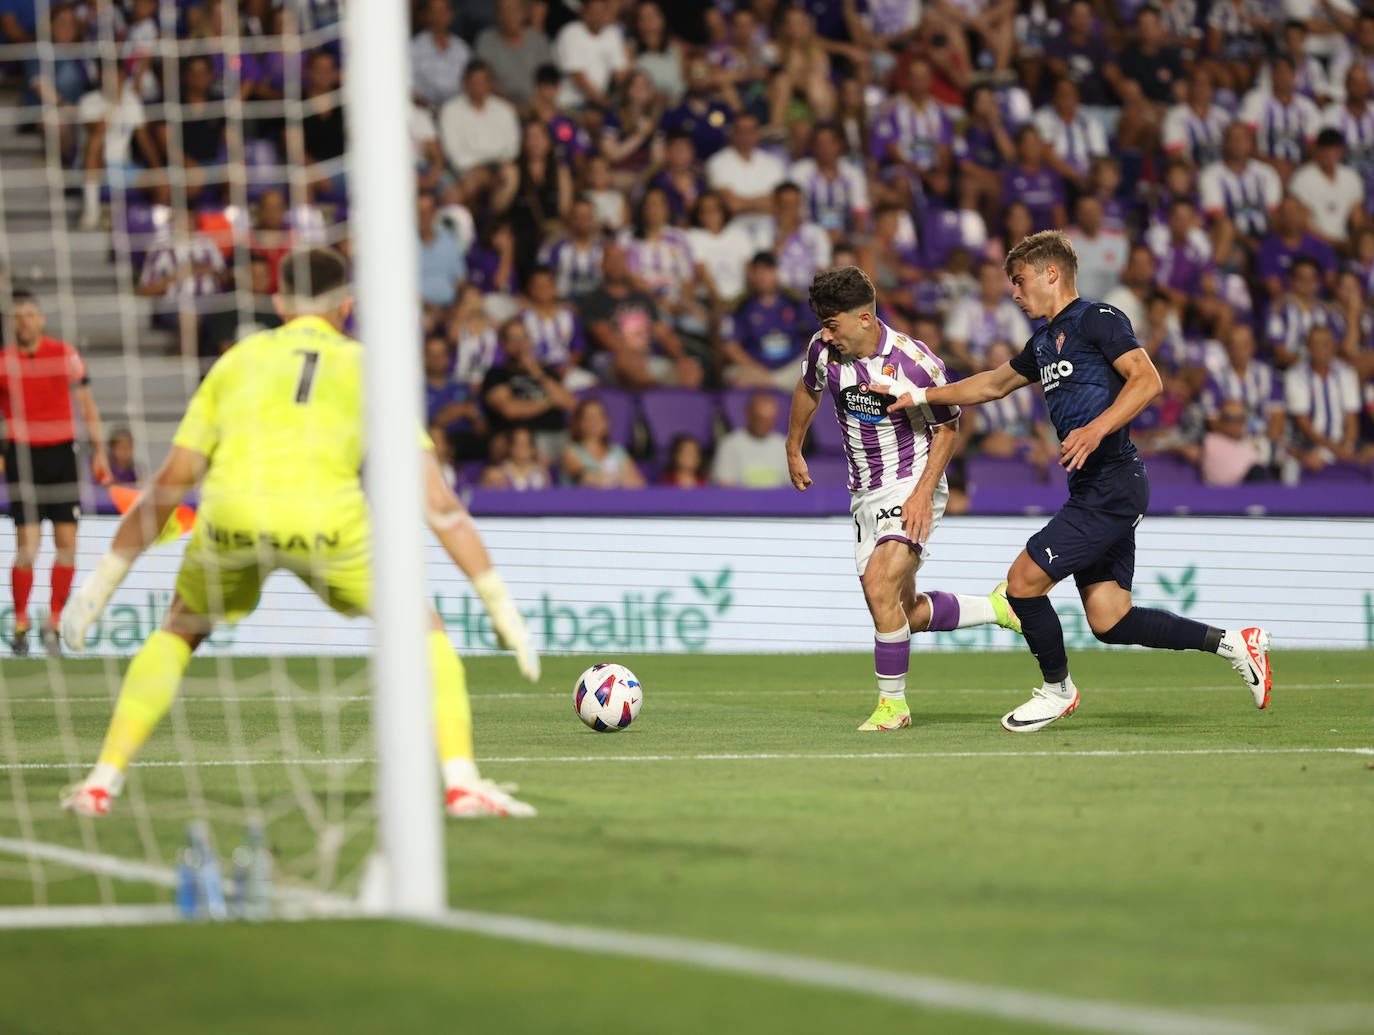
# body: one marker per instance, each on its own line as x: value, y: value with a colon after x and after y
x: 841, y: 290
x: 312, y: 272
x: 25, y: 297
x: 1040, y: 250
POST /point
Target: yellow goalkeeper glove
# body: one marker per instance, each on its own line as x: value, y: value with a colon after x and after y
x: 88, y: 603
x: 506, y: 621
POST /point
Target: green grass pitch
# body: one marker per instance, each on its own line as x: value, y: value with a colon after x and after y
x: 1168, y: 846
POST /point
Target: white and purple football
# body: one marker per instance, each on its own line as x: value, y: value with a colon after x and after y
x: 607, y: 697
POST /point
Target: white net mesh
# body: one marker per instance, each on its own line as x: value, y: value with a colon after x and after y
x: 153, y: 170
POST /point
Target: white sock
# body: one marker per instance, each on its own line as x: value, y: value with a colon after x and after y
x: 460, y: 772
x: 107, y: 776
x: 975, y: 611
x: 1064, y: 689
x: 1232, y: 645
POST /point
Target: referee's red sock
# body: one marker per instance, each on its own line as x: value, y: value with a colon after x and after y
x: 21, y: 582
x: 62, y: 575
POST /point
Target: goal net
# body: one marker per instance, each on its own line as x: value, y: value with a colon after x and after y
x: 153, y: 171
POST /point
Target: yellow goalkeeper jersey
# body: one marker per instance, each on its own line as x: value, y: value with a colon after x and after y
x: 280, y: 417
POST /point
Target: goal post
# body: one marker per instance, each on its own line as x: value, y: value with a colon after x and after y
x: 386, y: 284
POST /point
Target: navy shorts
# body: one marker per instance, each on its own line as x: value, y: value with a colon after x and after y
x: 1092, y: 537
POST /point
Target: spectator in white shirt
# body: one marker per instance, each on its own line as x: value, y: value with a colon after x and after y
x: 115, y: 120
x: 989, y: 316
x: 1284, y: 121
x: 1333, y: 192
x: 592, y: 55
x: 1074, y: 138
x: 1323, y: 395
x: 480, y: 133
x: 745, y: 175
x: 753, y: 456
x: 1193, y: 130
x: 1102, y: 252
x: 437, y: 57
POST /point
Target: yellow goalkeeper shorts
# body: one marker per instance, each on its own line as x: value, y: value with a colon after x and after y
x: 234, y: 548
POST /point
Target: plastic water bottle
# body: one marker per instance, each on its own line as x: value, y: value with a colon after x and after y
x: 188, y: 881
x: 253, y: 876
x: 210, y: 879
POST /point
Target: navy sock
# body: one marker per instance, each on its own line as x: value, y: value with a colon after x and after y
x: 1044, y: 635
x: 1150, y: 627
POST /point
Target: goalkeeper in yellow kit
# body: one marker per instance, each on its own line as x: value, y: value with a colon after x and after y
x: 274, y: 438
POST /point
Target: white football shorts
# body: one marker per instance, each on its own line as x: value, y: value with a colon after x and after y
x: 877, y: 515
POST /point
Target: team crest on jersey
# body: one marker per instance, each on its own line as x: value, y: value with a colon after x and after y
x: 889, y: 370
x: 864, y: 403
x: 1059, y: 342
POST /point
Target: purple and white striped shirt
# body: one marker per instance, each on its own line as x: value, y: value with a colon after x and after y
x: 801, y: 255
x: 475, y: 354
x: 577, y: 270
x: 917, y: 133
x: 664, y: 263
x: 1358, y: 130
x: 1016, y: 414
x: 881, y: 448
x: 555, y: 338
x: 1281, y: 130
x: 1193, y: 136
x: 1289, y: 324
x: 1258, y: 388
x: 837, y: 203
x: 1325, y: 399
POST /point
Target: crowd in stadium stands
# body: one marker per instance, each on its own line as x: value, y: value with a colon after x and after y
x: 621, y: 207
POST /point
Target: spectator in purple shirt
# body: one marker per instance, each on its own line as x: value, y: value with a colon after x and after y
x: 1033, y: 183
x: 678, y: 178
x: 705, y: 112
x: 571, y: 141
x: 764, y: 337
x: 983, y: 149
x: 914, y: 134
x: 1290, y: 240
x: 450, y: 410
x: 1081, y: 53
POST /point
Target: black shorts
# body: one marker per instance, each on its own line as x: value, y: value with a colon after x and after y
x: 42, y: 483
x: 1092, y: 537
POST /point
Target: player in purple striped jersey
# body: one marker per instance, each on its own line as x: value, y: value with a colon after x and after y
x: 896, y: 475
x: 1096, y: 378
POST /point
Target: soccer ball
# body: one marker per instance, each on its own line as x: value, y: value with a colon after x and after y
x: 607, y: 697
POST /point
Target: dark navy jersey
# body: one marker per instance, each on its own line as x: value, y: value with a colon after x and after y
x: 1072, y: 357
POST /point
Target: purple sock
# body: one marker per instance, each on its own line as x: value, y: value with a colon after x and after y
x: 891, y: 659
x: 944, y: 611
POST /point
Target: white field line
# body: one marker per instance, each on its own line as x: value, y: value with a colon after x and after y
x: 757, y: 756
x: 921, y: 990
x: 521, y: 695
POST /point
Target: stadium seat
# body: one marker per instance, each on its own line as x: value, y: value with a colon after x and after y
x: 734, y: 405
x: 826, y: 437
x: 620, y: 412
x: 999, y: 470
x: 1337, y: 473
x: 1170, y: 470
x: 678, y: 411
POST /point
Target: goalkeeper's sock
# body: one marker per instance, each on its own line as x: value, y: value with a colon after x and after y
x: 21, y: 585
x: 62, y: 575
x: 958, y: 611
x: 150, y: 685
x: 452, y: 713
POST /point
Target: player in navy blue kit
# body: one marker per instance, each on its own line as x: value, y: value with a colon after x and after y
x: 1096, y: 378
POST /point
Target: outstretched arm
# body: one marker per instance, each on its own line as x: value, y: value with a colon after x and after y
x: 453, y: 527
x: 139, y: 529
x: 804, y: 405
x: 90, y: 416
x: 983, y: 387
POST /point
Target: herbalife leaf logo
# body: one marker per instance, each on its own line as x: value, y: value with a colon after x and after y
x: 1182, y: 589
x: 716, y: 591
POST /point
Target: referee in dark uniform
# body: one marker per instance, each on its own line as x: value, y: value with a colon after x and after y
x: 38, y: 376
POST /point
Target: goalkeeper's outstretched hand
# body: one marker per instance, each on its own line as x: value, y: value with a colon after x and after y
x: 87, y: 604
x: 507, y: 622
